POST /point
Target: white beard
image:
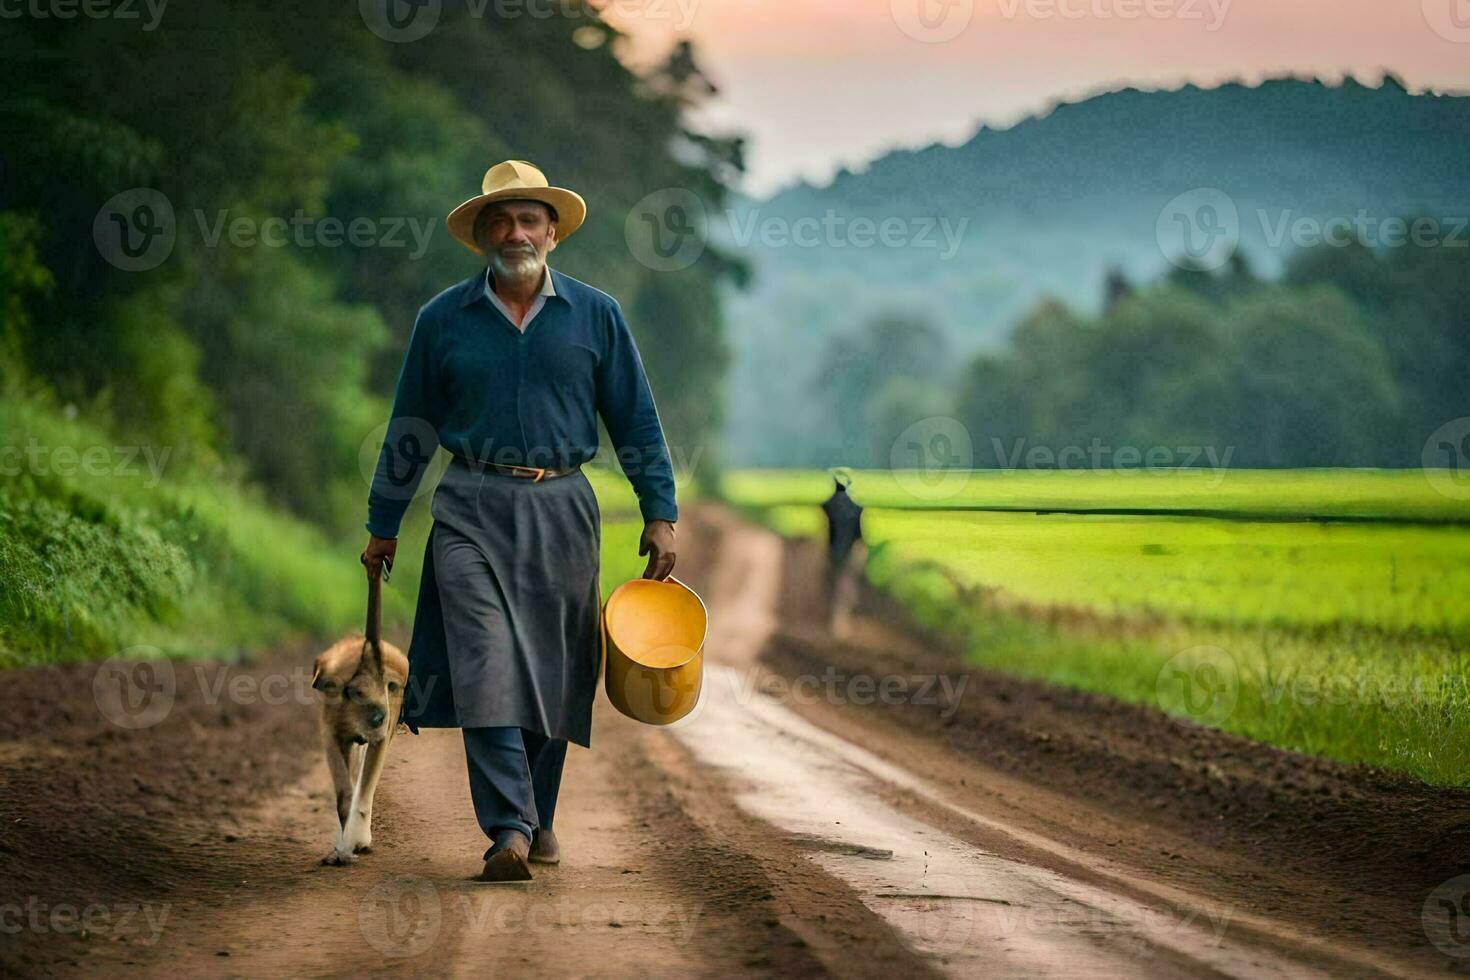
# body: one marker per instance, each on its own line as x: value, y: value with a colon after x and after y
x: 521, y: 266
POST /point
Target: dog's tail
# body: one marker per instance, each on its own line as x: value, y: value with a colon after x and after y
x: 374, y: 630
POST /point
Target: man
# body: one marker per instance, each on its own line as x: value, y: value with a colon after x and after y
x: 508, y: 371
x: 844, y: 533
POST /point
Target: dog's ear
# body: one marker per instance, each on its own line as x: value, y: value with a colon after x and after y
x: 336, y: 665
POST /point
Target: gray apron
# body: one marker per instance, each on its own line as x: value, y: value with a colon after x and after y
x: 508, y: 625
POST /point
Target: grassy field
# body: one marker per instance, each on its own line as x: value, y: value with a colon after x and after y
x: 1269, y: 494
x: 1343, y: 638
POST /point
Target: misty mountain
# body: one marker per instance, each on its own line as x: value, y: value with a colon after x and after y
x: 968, y: 239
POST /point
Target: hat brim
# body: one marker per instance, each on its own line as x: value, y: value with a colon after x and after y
x: 571, y: 211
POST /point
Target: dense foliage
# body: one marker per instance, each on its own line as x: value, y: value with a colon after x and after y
x: 272, y: 353
x: 1353, y: 358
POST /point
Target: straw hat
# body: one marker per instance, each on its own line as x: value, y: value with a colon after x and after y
x: 518, y: 180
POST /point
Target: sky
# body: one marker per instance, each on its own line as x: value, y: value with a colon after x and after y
x: 821, y: 84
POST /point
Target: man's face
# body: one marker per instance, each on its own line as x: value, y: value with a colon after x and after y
x: 515, y: 236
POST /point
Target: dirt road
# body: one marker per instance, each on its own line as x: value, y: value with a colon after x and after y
x: 856, y: 808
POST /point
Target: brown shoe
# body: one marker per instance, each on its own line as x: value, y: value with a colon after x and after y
x: 507, y: 859
x: 544, y: 848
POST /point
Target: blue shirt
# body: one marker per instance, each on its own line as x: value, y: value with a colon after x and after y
x: 491, y: 393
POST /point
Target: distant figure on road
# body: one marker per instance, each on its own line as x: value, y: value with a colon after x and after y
x: 844, y: 557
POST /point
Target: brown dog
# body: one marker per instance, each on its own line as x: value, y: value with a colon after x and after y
x: 360, y: 679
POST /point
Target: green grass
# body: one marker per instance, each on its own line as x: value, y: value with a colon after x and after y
x: 1400, y: 494
x: 1402, y: 579
x: 1356, y: 698
x: 1345, y: 640
x: 113, y: 554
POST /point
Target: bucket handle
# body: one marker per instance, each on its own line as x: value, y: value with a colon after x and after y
x: 697, y: 598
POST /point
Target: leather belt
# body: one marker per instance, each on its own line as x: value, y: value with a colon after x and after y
x: 533, y: 473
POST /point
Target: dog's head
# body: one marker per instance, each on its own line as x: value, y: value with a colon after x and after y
x: 362, y: 688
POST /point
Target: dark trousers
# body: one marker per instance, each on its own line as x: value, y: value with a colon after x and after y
x: 514, y: 778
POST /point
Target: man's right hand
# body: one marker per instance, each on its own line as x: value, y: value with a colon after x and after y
x: 378, y: 556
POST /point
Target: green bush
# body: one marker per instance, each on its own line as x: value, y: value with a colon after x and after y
x: 103, y: 547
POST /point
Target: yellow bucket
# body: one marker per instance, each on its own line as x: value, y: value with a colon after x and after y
x: 653, y: 647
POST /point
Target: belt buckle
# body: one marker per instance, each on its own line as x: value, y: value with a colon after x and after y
x: 539, y: 471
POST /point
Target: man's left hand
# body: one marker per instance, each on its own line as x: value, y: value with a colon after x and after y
x: 658, y: 544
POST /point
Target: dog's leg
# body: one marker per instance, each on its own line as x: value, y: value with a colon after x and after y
x: 340, y: 762
x: 358, y: 833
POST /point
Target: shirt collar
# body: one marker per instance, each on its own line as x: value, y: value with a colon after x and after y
x: 479, y: 286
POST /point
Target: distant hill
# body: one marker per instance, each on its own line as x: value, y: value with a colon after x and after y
x: 1047, y: 205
